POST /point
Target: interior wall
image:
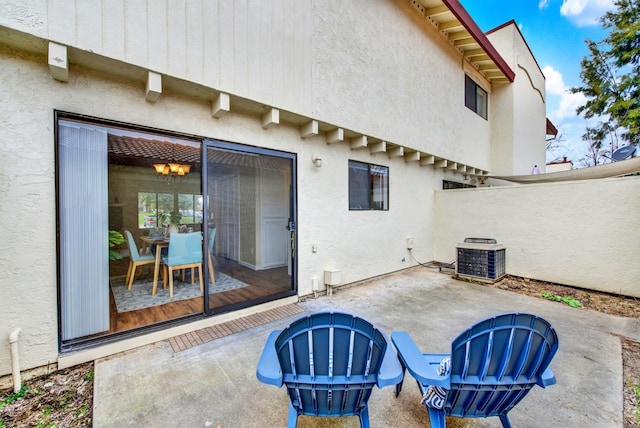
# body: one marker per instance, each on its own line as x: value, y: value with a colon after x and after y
x: 583, y: 233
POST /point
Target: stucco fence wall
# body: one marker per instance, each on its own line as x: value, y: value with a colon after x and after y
x: 582, y: 233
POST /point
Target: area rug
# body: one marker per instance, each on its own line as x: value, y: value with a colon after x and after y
x: 139, y: 297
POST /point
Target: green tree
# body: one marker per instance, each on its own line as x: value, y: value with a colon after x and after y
x: 611, y: 78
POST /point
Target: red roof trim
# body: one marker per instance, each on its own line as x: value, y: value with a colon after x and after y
x: 467, y: 22
x: 551, y: 128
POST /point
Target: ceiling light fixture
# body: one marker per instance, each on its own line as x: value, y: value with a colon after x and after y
x: 172, y: 168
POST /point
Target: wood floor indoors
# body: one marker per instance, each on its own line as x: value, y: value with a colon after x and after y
x: 261, y: 284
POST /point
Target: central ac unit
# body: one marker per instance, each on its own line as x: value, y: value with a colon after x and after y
x: 481, y: 259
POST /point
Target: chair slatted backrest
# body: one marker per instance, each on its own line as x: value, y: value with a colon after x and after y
x: 496, y: 362
x: 330, y: 363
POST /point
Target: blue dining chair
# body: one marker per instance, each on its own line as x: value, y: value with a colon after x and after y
x: 185, y: 251
x: 135, y: 259
x: 492, y: 366
x: 329, y: 362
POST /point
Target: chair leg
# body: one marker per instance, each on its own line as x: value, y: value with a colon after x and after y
x: 506, y: 423
x: 364, y: 417
x: 170, y: 282
x: 437, y: 418
x: 164, y: 276
x: 133, y: 275
x: 212, y: 272
x: 398, y: 387
x: 199, y: 277
x: 126, y: 281
x: 293, y: 416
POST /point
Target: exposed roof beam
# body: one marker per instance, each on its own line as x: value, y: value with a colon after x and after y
x: 412, y: 157
x: 479, y: 58
x: 396, y: 152
x: 464, y: 42
x: 309, y: 129
x: 153, y: 88
x: 335, y: 136
x: 379, y: 147
x: 58, y: 62
x: 428, y: 160
x: 271, y: 118
x: 435, y: 11
x: 474, y: 52
x: 359, y: 142
x: 450, y: 26
x: 221, y: 105
x: 459, y: 35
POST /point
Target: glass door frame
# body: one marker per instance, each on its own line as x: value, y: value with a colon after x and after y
x: 293, y: 212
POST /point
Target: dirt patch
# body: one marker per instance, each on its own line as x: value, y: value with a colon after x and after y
x: 60, y: 399
x: 65, y: 398
x: 602, y: 302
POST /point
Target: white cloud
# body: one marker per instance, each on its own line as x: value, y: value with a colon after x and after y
x: 584, y: 12
x: 568, y: 102
x: 543, y: 4
x: 554, y: 82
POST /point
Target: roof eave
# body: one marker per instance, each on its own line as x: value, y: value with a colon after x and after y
x: 469, y: 24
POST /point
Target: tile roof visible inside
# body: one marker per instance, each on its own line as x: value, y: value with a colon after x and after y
x: 154, y: 150
x: 136, y: 151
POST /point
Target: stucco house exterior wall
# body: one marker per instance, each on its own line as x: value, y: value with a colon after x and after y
x: 373, y: 69
x: 519, y: 115
x: 580, y: 233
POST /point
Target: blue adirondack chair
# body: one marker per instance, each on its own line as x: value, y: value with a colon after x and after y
x: 329, y: 363
x: 491, y: 367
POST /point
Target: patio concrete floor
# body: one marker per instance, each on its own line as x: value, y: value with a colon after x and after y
x: 214, y: 384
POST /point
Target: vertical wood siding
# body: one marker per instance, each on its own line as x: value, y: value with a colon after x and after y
x: 251, y: 48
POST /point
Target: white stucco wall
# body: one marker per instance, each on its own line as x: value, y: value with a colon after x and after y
x: 360, y: 244
x: 371, y: 67
x: 581, y: 233
x: 375, y: 67
x: 374, y: 71
x: 519, y: 119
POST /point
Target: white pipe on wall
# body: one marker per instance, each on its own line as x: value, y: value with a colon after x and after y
x: 15, y: 359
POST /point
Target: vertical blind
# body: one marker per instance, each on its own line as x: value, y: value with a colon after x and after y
x: 83, y: 208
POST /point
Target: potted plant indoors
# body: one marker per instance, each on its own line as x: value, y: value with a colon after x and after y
x: 171, y: 221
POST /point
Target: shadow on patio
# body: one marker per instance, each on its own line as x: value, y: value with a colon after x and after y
x: 214, y: 384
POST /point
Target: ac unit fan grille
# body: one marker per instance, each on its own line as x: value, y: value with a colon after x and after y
x: 481, y: 263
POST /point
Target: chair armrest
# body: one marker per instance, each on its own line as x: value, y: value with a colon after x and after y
x: 417, y: 363
x: 547, y: 378
x: 268, y: 370
x: 391, y: 372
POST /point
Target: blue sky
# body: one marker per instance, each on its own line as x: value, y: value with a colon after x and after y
x: 555, y: 30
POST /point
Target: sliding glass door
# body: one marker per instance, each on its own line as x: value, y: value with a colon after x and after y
x: 250, y: 213
x: 124, y: 192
